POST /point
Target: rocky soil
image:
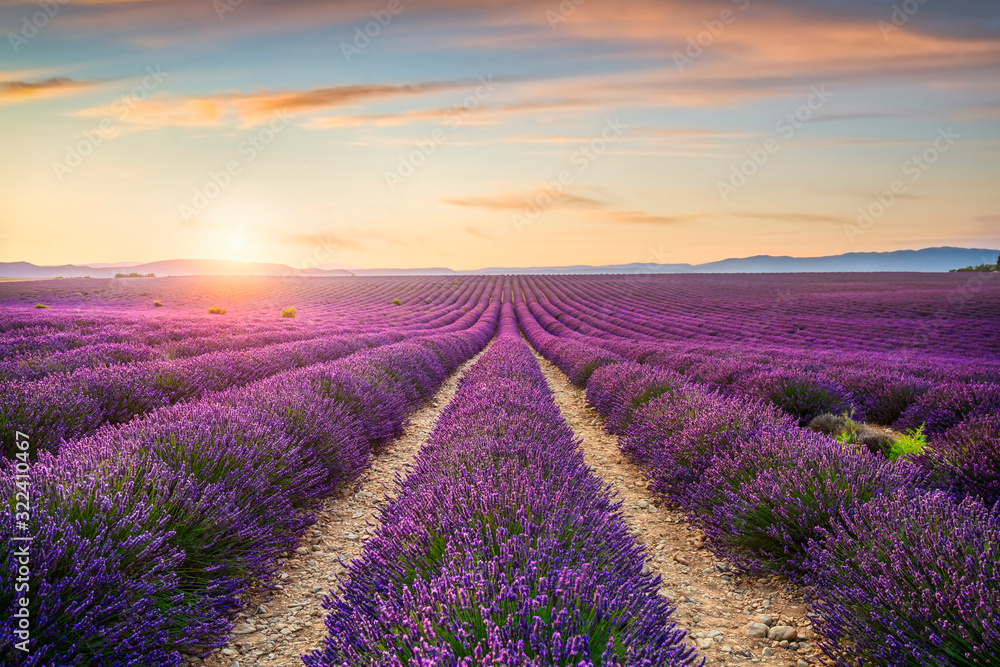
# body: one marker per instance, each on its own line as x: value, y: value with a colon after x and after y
x: 278, y: 629
x: 730, y: 618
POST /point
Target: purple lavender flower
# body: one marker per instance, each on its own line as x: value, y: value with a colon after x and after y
x: 965, y: 460
x: 910, y: 579
x: 949, y: 404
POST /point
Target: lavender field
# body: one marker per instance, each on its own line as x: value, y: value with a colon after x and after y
x: 631, y: 470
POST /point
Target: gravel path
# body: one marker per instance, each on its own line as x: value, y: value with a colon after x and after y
x: 715, y: 607
x: 278, y: 630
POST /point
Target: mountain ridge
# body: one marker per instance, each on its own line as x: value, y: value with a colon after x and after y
x: 929, y: 260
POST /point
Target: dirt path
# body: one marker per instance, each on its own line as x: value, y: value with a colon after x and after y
x: 279, y: 630
x: 715, y: 607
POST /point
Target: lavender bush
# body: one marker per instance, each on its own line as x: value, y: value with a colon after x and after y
x: 763, y: 503
x: 678, y: 438
x: 910, y: 579
x: 949, y: 404
x: 965, y: 460
x: 881, y: 394
x: 803, y: 395
x: 618, y: 391
x: 101, y: 554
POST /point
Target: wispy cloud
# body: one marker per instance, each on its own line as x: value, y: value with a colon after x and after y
x: 257, y: 107
x: 515, y: 202
x: 379, y: 120
x: 792, y: 217
x: 250, y: 109
x: 455, y: 114
x: 477, y: 232
x: 643, y: 218
x: 301, y: 239
x: 593, y: 209
x: 24, y: 91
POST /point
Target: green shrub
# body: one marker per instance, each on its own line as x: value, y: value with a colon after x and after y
x: 396, y: 302
x: 40, y: 305
x: 849, y: 432
x: 981, y: 268
x: 157, y: 304
x: 910, y: 443
x: 216, y: 310
x: 288, y: 312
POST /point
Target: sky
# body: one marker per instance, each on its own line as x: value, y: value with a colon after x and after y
x: 513, y: 133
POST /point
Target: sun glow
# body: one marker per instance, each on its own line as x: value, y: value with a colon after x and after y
x: 239, y: 230
x: 234, y: 244
x: 237, y: 241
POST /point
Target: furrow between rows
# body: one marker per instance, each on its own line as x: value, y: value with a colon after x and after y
x: 277, y: 628
x: 715, y: 607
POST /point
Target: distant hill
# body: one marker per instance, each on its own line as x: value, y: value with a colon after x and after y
x: 170, y: 267
x: 928, y: 260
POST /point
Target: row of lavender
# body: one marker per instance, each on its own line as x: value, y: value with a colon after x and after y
x: 501, y: 547
x: 63, y: 407
x: 185, y: 330
x: 641, y: 315
x: 149, y: 535
x: 33, y: 345
x: 929, y: 314
x: 246, y: 299
x: 901, y: 557
x: 112, y: 348
x: 933, y: 392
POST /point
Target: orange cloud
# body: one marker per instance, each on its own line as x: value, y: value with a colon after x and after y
x: 255, y: 108
x: 643, y: 218
x: 594, y: 209
x: 23, y: 91
x: 518, y: 202
x: 769, y: 49
x: 482, y: 115
x: 792, y: 217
